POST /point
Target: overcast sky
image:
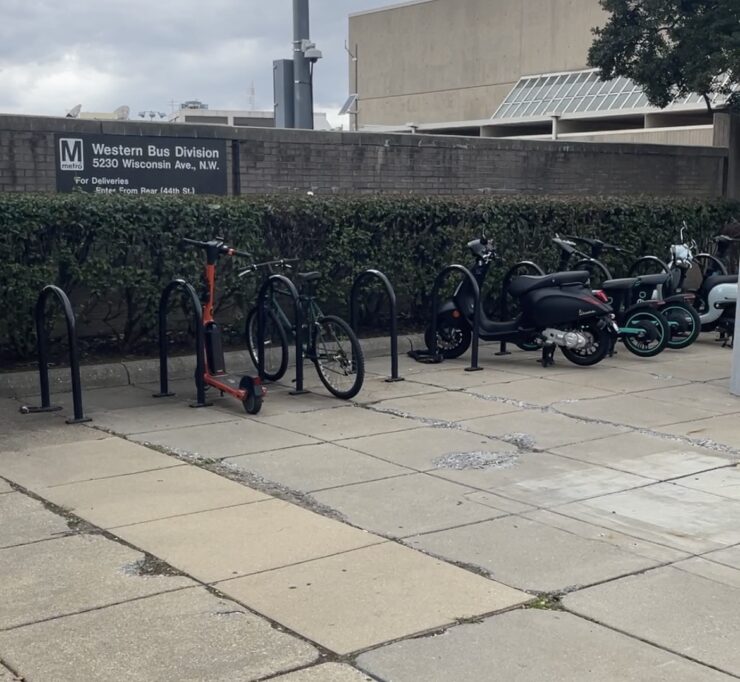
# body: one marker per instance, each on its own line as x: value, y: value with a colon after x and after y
x: 55, y: 54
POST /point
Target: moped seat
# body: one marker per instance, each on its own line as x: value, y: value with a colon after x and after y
x: 526, y: 283
x: 308, y: 276
x: 631, y: 282
x: 714, y: 280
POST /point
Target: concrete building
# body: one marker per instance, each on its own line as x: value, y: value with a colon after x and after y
x: 197, y: 112
x: 501, y: 68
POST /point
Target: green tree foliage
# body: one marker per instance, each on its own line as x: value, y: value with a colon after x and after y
x: 671, y: 48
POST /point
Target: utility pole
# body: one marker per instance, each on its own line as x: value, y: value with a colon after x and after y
x: 305, y: 55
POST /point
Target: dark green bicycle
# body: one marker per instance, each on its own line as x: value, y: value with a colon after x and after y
x: 328, y: 341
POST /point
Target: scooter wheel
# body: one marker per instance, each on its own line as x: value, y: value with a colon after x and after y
x: 685, y: 324
x: 655, y: 334
x: 453, y: 338
x: 252, y: 403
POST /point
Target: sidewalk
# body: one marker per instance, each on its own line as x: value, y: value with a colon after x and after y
x: 517, y: 523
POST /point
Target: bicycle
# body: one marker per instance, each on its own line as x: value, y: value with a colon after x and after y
x: 328, y: 341
x: 247, y: 389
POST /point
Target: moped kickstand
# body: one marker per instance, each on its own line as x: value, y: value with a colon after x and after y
x: 548, y: 355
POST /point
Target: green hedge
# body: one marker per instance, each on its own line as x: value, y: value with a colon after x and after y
x: 114, y: 254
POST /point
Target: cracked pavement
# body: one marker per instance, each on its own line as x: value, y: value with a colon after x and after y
x: 517, y: 523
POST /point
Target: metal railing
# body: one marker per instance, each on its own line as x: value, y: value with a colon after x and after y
x: 43, y: 355
x: 353, y: 313
x: 438, y: 282
x: 200, y: 347
x: 268, y: 286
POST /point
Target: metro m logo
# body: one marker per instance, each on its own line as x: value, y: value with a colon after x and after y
x: 71, y: 154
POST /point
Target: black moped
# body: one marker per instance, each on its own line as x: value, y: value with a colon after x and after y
x: 557, y: 310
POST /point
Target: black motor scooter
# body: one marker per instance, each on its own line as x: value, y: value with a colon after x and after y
x: 557, y: 310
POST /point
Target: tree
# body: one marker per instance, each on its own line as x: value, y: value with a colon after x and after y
x: 671, y: 48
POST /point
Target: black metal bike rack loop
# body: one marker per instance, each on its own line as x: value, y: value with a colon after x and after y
x: 441, y: 277
x: 353, y: 313
x: 200, y: 346
x: 504, y: 306
x: 269, y: 285
x: 43, y: 353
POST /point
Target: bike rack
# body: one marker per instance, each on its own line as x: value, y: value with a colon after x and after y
x: 200, y: 346
x: 441, y: 277
x: 43, y: 353
x: 353, y: 314
x: 269, y: 285
x: 504, y: 308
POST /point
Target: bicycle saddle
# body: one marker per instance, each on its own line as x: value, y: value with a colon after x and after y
x: 526, y: 283
x: 308, y: 276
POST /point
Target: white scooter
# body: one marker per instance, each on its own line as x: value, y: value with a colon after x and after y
x: 705, y: 276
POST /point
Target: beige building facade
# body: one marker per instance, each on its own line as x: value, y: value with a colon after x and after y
x: 456, y: 60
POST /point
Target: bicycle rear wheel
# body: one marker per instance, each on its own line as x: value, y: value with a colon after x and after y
x: 338, y: 357
x: 276, y: 344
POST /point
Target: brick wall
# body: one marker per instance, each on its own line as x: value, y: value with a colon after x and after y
x: 271, y: 160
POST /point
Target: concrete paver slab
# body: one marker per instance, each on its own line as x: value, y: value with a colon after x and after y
x: 188, y: 636
x: 530, y: 555
x: 23, y: 520
x: 542, y: 391
x: 221, y: 544
x: 50, y: 579
x: 341, y: 422
x: 6, y: 675
x: 375, y: 389
x: 421, y: 448
x: 724, y: 429
x: 159, y: 415
x: 457, y: 378
x: 376, y: 594
x: 531, y: 646
x: 314, y: 467
x: 446, y: 407
x: 728, y: 557
x: 549, y: 430
x: 725, y: 482
x: 711, y: 570
x: 634, y: 411
x: 4, y: 487
x: 84, y: 461
x: 688, y: 520
x: 135, y: 498
x: 544, y: 480
x: 673, y: 608
x: 645, y: 455
x: 227, y: 439
x: 328, y: 672
x: 97, y: 399
x: 279, y: 401
x: 708, y: 397
x: 623, y: 380
x: 410, y: 504
x: 702, y: 367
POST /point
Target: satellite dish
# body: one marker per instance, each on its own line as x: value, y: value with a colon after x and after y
x: 74, y: 112
x: 122, y: 113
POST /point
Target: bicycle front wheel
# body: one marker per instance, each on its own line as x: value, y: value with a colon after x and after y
x: 276, y: 344
x: 338, y: 357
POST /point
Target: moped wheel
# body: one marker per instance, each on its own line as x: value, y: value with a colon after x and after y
x: 338, y: 357
x: 684, y: 322
x: 453, y: 338
x: 600, y: 342
x: 653, y: 336
x: 276, y: 345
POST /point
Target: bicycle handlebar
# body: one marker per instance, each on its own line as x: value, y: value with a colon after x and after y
x: 596, y: 242
x: 285, y: 262
x: 217, y: 244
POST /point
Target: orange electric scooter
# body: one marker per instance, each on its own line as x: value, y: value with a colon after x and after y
x: 247, y: 389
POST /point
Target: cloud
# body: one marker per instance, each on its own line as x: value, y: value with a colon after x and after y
x: 153, y: 54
